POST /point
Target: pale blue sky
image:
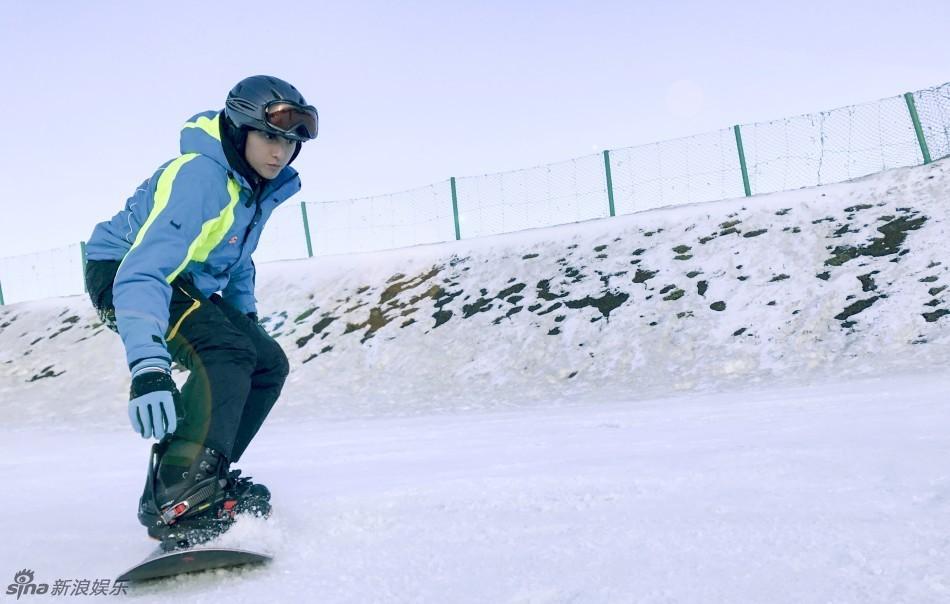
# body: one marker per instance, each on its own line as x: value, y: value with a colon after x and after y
x: 93, y: 93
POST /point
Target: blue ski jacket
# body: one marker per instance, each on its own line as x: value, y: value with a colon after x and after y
x: 195, y: 217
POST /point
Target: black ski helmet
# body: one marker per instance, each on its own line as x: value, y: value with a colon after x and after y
x: 248, y: 102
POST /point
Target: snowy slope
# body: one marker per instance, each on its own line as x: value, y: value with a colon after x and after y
x: 742, y: 401
x: 792, y: 287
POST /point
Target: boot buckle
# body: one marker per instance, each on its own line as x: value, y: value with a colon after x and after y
x: 174, y: 512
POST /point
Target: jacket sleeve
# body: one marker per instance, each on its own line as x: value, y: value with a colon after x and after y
x: 186, y: 196
x: 240, y: 290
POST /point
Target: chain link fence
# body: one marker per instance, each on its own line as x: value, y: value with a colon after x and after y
x: 933, y: 107
x: 422, y: 215
x: 831, y: 146
x: 560, y: 193
x: 744, y: 160
x: 686, y: 170
x: 45, y: 274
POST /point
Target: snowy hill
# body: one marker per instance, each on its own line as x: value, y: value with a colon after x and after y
x: 791, y: 287
x: 740, y: 401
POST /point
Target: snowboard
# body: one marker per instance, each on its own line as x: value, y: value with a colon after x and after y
x: 168, y: 564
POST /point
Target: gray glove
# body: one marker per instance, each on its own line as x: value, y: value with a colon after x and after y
x: 154, y: 406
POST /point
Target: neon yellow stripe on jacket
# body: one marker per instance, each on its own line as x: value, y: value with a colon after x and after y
x: 163, y: 192
x: 210, y: 126
x: 212, y: 232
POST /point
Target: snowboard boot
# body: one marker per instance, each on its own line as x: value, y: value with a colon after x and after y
x: 252, y: 498
x: 182, y: 507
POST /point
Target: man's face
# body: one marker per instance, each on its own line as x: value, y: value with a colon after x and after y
x: 268, y: 153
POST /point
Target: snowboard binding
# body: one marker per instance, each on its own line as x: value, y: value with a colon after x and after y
x: 201, y: 504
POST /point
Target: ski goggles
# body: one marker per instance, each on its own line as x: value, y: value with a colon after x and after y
x: 296, y: 122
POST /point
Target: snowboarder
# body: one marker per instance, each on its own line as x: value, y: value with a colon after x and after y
x: 172, y: 274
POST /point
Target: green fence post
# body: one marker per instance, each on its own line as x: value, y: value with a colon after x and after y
x: 82, y: 250
x: 455, y: 208
x: 306, y: 228
x: 912, y: 107
x: 610, y: 183
x: 1, y: 293
x: 742, y: 164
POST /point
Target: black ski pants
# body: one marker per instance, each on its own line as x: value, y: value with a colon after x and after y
x: 236, y: 369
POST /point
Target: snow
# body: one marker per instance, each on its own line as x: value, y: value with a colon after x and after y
x: 836, y: 493
x: 754, y: 438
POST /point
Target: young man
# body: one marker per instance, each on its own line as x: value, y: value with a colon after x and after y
x: 154, y: 274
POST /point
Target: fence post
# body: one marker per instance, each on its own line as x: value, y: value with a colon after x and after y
x: 455, y: 208
x: 742, y: 164
x: 1, y: 293
x: 610, y: 183
x: 82, y: 250
x: 912, y: 107
x: 306, y: 228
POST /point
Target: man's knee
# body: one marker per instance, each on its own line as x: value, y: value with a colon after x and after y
x: 273, y: 360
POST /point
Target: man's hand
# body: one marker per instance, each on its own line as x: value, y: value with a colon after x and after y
x: 153, y: 399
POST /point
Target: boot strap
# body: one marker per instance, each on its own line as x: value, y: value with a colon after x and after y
x: 177, y: 510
